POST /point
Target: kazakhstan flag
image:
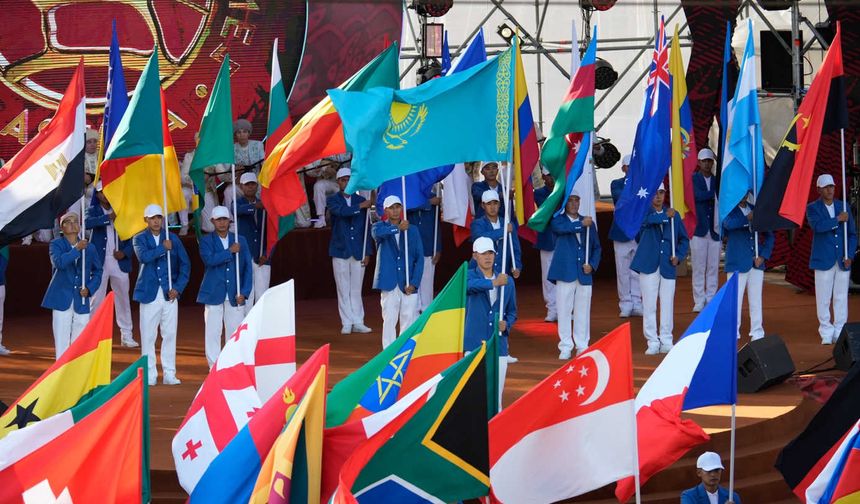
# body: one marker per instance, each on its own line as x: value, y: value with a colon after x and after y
x: 463, y: 117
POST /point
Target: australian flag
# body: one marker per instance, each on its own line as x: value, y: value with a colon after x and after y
x: 652, y: 146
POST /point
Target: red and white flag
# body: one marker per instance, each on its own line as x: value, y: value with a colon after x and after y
x: 570, y: 434
x: 255, y: 362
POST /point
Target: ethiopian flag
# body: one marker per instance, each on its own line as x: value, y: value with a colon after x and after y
x: 83, y: 367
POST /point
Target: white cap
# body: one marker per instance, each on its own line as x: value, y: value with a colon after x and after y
x: 220, y: 212
x: 343, y: 172
x: 626, y: 160
x: 67, y: 215
x: 662, y: 187
x: 709, y: 461
x: 247, y: 178
x: 483, y: 244
x: 391, y: 200
x: 574, y: 194
x: 92, y: 134
x: 489, y: 195
x: 152, y: 210
x: 488, y: 163
x: 706, y: 153
x: 825, y: 180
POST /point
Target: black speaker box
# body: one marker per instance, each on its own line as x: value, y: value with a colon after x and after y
x: 776, y: 67
x: 846, y: 351
x: 763, y: 363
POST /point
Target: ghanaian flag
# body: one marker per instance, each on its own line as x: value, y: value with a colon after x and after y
x: 84, y: 367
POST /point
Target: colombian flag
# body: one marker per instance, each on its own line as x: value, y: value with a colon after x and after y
x: 526, y: 153
x: 82, y: 368
x: 684, y: 153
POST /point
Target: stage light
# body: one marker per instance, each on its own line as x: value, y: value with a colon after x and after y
x: 432, y: 8
x: 600, y: 5
x: 604, y: 75
x: 430, y: 71
x: 431, y: 40
x: 506, y: 32
x: 775, y: 5
x: 604, y: 153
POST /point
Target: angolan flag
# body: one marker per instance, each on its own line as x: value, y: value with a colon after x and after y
x: 47, y: 176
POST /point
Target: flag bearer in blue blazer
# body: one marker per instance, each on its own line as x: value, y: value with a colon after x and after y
x: 827, y: 217
x: 399, y: 294
x: 490, y: 171
x: 546, y: 245
x: 250, y: 217
x: 656, y: 267
x: 709, y: 469
x: 350, y: 252
x: 742, y: 260
x: 115, y: 255
x: 158, y: 296
x: 572, y: 269
x: 705, y: 243
x: 224, y: 303
x: 424, y: 219
x: 72, y: 284
x: 491, y: 225
x: 627, y: 280
x: 483, y: 301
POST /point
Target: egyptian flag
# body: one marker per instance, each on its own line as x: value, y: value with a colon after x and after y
x: 47, y: 176
x: 781, y: 204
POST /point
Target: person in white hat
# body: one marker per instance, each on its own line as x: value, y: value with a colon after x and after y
x: 249, y: 154
x: 250, y: 221
x: 545, y: 243
x: 398, y: 295
x: 490, y: 172
x: 158, y: 293
x: 491, y: 226
x: 657, y: 270
x: 483, y: 302
x: 326, y: 184
x: 224, y: 302
x: 705, y: 243
x: 350, y: 250
x: 709, y: 469
x: 627, y: 280
x: 77, y: 273
x: 115, y: 255
x: 91, y: 153
x: 828, y: 219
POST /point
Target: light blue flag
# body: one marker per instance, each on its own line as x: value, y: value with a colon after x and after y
x: 462, y: 117
x: 744, y: 166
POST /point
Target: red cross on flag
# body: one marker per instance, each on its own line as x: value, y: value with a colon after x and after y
x: 580, y: 416
x: 255, y: 362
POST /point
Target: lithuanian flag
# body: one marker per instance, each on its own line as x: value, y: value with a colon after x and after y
x: 82, y: 368
x: 131, y: 172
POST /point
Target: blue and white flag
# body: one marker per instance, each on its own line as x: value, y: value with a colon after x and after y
x: 116, y: 99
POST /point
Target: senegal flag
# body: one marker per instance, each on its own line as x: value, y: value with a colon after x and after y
x: 82, y: 368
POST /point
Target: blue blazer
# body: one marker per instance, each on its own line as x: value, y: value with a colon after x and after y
x: 740, y: 242
x: 480, y: 316
x: 219, y: 277
x: 153, y: 266
x: 546, y: 238
x: 829, y: 238
x: 698, y: 495
x: 424, y: 218
x: 391, y: 264
x: 655, y: 244
x: 3, y: 264
x: 97, y: 220
x: 569, y: 257
x: 478, y: 189
x: 615, y: 232
x: 64, y: 289
x: 483, y: 227
x: 347, y: 227
x: 249, y: 218
x: 704, y: 206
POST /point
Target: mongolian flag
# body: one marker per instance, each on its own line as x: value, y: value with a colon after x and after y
x: 684, y: 153
x: 526, y: 152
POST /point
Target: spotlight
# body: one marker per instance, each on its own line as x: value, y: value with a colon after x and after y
x: 506, y: 32
x: 604, y: 153
x: 604, y: 75
x: 429, y: 71
x: 600, y: 5
x: 432, y: 8
x: 775, y: 5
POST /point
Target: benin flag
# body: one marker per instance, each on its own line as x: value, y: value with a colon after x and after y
x: 82, y: 368
x: 131, y: 172
x: 95, y: 452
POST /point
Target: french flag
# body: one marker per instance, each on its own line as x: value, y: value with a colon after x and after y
x: 700, y: 370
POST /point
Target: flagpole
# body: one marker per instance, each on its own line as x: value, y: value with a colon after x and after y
x: 755, y: 197
x: 364, y: 240
x: 505, y: 238
x: 83, y: 237
x: 405, y: 234
x: 235, y: 227
x: 732, y: 454
x: 588, y: 229
x: 636, y: 480
x: 263, y: 234
x: 672, y: 220
x: 166, y: 228
x: 844, y: 196
x: 436, y: 222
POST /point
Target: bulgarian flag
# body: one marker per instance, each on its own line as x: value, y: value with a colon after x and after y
x: 95, y: 452
x: 83, y: 367
x: 317, y: 135
x: 575, y: 117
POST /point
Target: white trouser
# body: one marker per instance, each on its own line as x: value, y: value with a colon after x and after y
x: 348, y: 277
x: 67, y: 327
x: 425, y: 291
x: 2, y: 302
x: 119, y: 284
x: 262, y: 277
x: 323, y: 188
x: 577, y: 297
x: 165, y: 315
x: 654, y: 286
x: 188, y: 194
x: 627, y: 280
x: 752, y: 281
x: 831, y: 284
x: 217, y: 318
x: 547, y: 287
x: 706, y: 268
x: 397, y: 305
x: 503, y: 372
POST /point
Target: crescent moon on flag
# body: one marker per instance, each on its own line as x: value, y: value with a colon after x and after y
x: 602, y: 375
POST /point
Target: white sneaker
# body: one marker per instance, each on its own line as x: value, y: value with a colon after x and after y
x: 129, y: 343
x: 361, y: 328
x: 171, y: 380
x: 698, y: 307
x: 551, y: 317
x: 319, y: 223
x: 652, y: 350
x: 755, y: 338
x: 580, y: 351
x: 637, y: 312
x: 564, y: 355
x: 346, y: 329
x: 827, y: 341
x: 152, y: 381
x: 4, y: 350
x: 624, y: 314
x: 665, y: 347
x: 511, y: 359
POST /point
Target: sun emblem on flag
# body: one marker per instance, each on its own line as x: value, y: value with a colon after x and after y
x: 404, y: 121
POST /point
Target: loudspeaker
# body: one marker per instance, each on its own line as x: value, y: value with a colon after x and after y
x: 846, y: 351
x: 763, y: 363
x: 776, y: 68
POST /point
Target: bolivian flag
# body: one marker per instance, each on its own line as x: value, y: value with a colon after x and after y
x: 82, y: 368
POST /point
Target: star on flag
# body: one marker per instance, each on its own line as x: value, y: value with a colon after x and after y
x: 643, y: 193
